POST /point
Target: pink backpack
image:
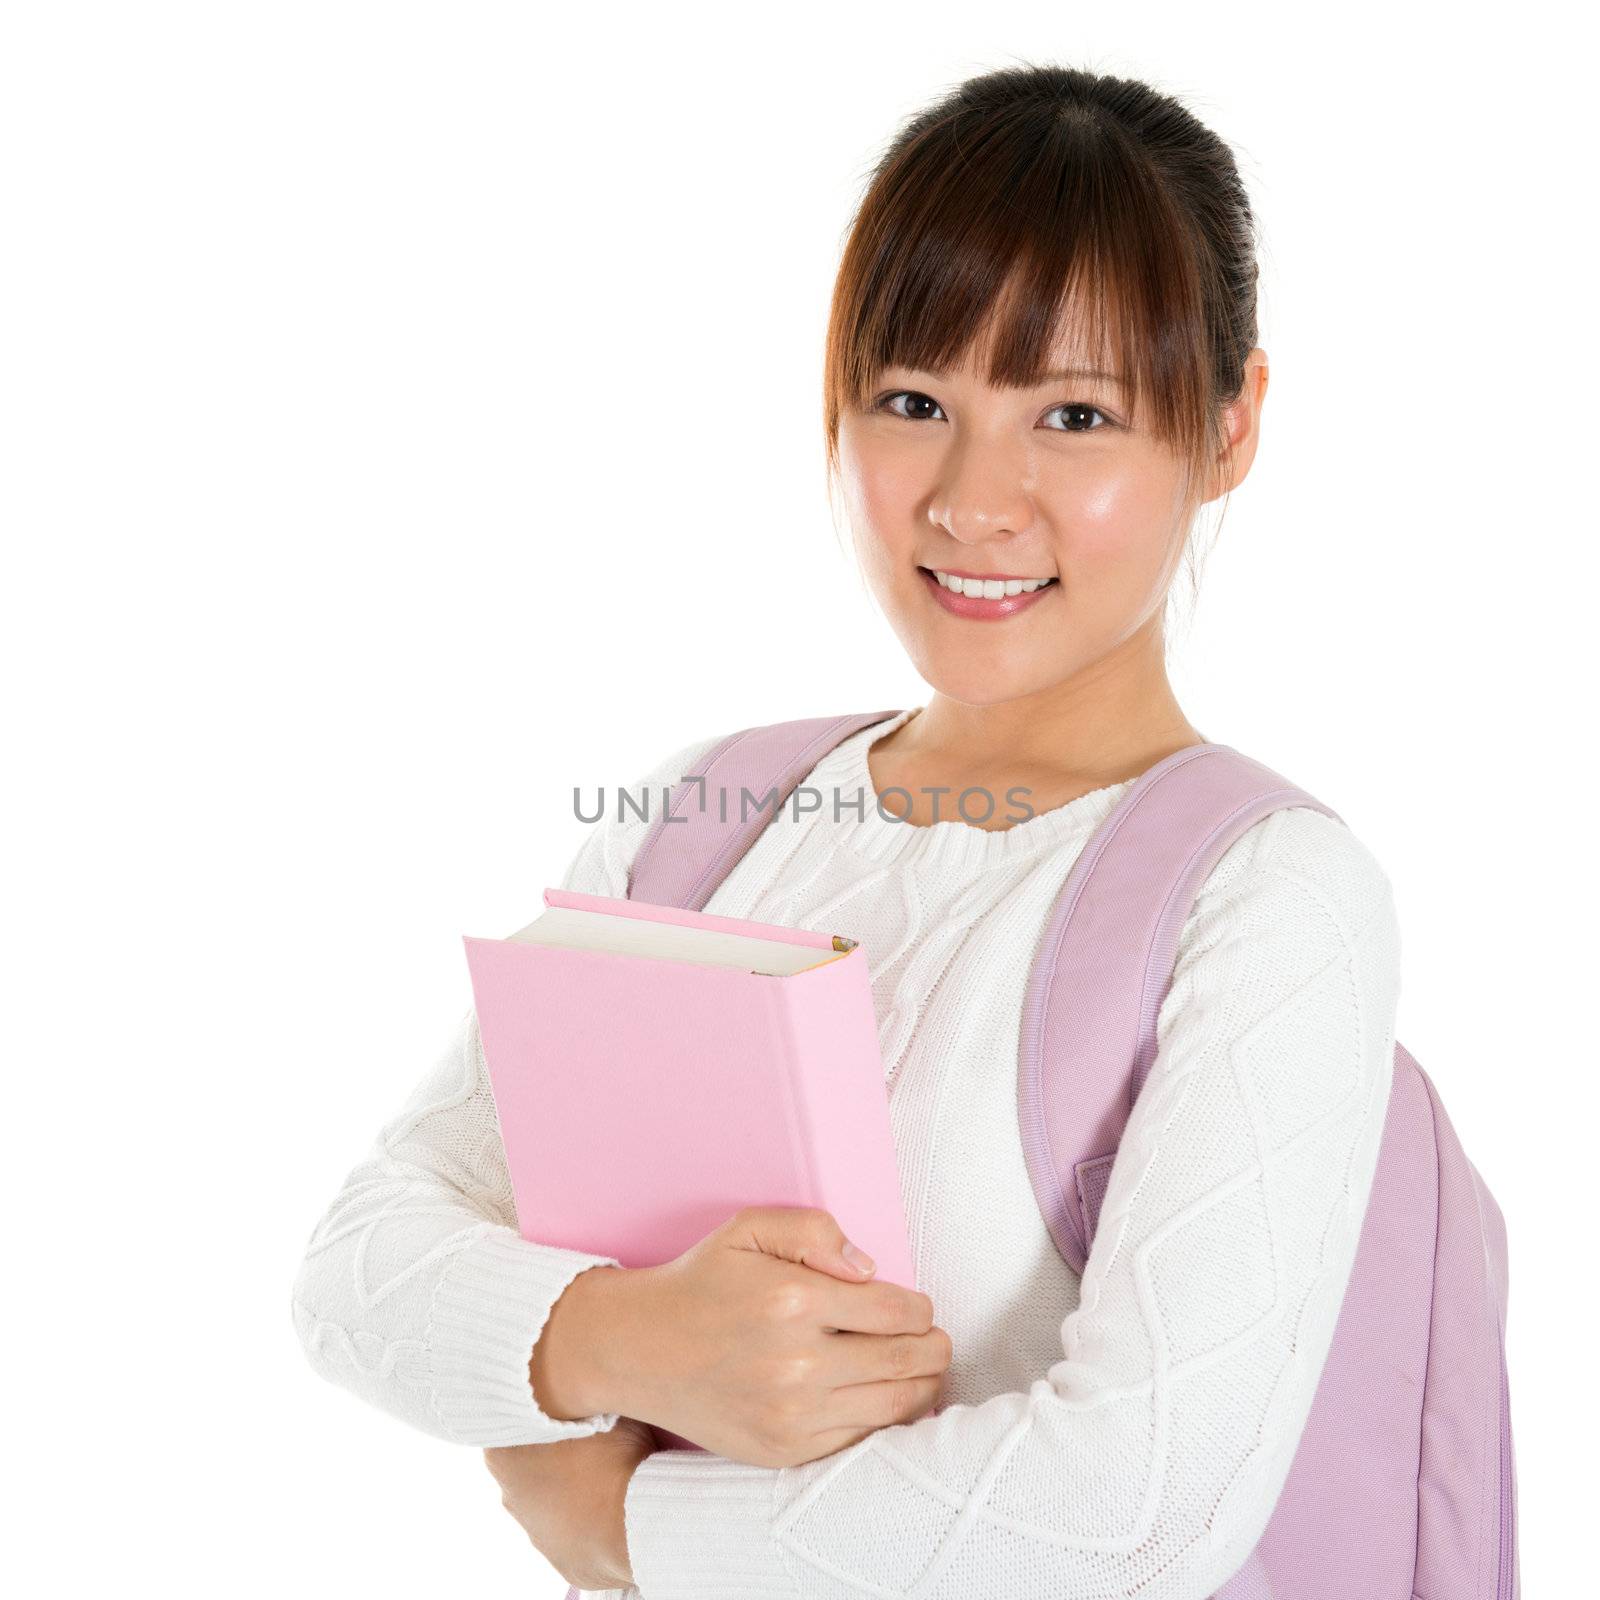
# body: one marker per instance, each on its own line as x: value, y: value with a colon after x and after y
x: 1404, y: 1485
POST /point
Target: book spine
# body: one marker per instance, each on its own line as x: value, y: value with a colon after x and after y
x: 843, y: 1109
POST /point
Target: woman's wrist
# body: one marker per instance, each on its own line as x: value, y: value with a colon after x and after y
x: 577, y: 1368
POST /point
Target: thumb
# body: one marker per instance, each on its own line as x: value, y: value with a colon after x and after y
x: 806, y: 1235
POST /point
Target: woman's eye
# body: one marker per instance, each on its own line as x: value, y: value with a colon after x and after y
x: 914, y: 402
x: 917, y: 407
x: 1077, y: 409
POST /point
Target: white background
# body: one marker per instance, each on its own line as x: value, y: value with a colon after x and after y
x: 413, y: 411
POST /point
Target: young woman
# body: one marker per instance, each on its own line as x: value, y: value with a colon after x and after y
x: 1041, y: 363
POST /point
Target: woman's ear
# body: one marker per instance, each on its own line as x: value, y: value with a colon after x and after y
x: 1241, y: 426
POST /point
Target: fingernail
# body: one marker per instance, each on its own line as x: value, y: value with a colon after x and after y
x: 858, y: 1259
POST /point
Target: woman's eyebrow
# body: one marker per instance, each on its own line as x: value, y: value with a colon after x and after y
x: 1079, y: 372
x: 1056, y: 376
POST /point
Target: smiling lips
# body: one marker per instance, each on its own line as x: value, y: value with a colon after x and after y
x: 985, y: 596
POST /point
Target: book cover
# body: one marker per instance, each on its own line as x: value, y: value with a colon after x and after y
x: 643, y: 1100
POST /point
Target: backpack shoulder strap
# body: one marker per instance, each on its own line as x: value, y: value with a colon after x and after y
x: 712, y: 822
x: 1105, y: 963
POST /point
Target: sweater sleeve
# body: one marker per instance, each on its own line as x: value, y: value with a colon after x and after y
x: 417, y: 1293
x: 1146, y: 1460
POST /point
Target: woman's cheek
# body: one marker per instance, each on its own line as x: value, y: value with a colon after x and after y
x: 880, y: 506
x: 1116, y: 521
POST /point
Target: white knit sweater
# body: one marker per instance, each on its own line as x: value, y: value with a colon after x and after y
x: 1125, y: 1435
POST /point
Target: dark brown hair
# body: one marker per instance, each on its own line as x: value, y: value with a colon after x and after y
x: 1033, y: 186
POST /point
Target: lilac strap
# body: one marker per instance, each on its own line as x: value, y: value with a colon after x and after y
x: 1105, y: 964
x: 712, y: 824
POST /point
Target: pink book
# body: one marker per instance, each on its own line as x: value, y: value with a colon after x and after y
x: 655, y: 1070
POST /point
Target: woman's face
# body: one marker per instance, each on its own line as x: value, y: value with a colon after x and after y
x: 944, y: 474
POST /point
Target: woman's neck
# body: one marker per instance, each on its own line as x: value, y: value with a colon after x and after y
x: 1057, y: 745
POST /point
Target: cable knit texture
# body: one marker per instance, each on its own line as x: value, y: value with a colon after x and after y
x: 1124, y: 1435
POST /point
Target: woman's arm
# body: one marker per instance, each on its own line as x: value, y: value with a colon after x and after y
x: 1148, y: 1459
x: 416, y: 1291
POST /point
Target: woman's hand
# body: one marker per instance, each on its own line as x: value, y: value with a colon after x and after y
x: 764, y: 1344
x: 569, y: 1497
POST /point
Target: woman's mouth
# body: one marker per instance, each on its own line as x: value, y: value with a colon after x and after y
x: 985, y: 596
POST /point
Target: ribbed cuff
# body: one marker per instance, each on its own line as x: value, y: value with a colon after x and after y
x: 489, y: 1308
x: 699, y: 1525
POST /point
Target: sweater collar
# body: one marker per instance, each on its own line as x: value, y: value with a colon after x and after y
x: 882, y: 837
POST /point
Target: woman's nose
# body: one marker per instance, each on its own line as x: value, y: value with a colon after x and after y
x: 984, y: 495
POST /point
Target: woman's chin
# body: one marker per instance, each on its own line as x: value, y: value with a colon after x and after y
x: 978, y: 683
x: 975, y: 666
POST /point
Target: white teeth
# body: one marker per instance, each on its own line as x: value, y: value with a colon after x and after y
x: 989, y: 588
